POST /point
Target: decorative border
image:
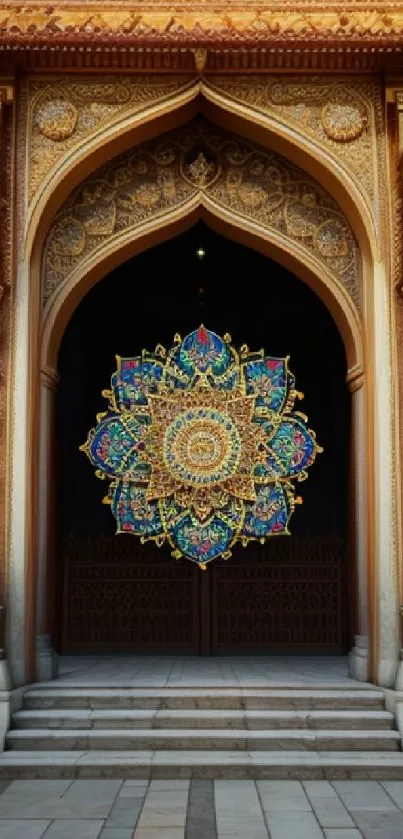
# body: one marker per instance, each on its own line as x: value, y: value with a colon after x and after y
x: 364, y: 37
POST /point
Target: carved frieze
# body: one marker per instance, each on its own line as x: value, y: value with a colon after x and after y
x: 201, y: 160
x: 62, y: 112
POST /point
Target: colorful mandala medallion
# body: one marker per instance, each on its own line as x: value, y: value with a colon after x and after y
x: 201, y: 445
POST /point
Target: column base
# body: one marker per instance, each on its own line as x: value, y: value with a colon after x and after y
x: 358, y: 659
x: 47, y: 660
x: 5, y: 684
x: 389, y: 672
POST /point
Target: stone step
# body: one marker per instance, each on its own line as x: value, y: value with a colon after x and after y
x: 232, y: 699
x: 290, y: 765
x: 223, y: 719
x: 202, y: 739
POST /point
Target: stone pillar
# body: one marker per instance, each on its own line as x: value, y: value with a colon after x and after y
x: 46, y: 658
x: 386, y: 542
x: 358, y: 657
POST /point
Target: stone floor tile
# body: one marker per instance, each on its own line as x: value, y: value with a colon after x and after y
x: 332, y: 814
x: 156, y: 833
x: 132, y: 793
x: 53, y: 808
x: 238, y: 810
x: 348, y: 833
x: 37, y: 787
x: 125, y: 813
x: 319, y: 789
x: 395, y: 790
x: 168, y: 784
x: 17, y: 829
x: 116, y: 833
x: 378, y: 820
x: 327, y: 806
x: 300, y: 825
x: 104, y: 790
x: 200, y: 816
x: 164, y: 808
x: 283, y: 796
x: 363, y: 795
x: 74, y: 829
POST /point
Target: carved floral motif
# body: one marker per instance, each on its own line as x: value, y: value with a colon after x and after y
x: 65, y: 111
x: 201, y: 23
x: 234, y: 174
x: 344, y: 116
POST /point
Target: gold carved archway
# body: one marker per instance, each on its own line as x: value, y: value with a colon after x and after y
x: 201, y: 169
x: 154, y: 190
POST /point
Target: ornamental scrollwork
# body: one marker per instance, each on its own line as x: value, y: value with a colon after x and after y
x: 63, y: 112
x: 201, y: 159
x: 344, y: 116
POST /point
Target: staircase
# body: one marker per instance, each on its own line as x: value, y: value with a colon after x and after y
x: 207, y: 732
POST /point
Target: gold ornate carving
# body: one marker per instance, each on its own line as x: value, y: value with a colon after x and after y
x: 202, y: 22
x: 250, y: 181
x: 344, y: 116
x: 63, y: 112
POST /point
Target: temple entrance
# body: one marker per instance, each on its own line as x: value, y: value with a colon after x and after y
x: 289, y: 595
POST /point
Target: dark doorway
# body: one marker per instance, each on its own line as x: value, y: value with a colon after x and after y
x: 115, y: 594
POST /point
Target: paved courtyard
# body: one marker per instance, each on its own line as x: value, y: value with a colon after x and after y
x: 201, y: 809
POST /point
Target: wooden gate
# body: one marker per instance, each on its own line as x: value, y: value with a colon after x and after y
x: 288, y: 596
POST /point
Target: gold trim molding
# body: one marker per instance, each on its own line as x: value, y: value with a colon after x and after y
x: 236, y: 36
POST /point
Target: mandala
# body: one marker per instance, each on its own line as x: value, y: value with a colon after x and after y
x: 202, y: 446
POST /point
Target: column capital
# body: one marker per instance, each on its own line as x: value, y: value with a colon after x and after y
x: 49, y: 378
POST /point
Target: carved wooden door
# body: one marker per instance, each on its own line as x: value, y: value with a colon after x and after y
x: 288, y: 596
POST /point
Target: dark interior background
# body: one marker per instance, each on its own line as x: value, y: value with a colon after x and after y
x: 232, y: 289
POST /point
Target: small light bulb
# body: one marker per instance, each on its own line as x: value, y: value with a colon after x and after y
x: 200, y: 253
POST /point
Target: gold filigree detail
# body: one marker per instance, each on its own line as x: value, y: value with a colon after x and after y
x: 200, y: 171
x: 63, y: 112
x: 250, y: 181
x: 344, y: 116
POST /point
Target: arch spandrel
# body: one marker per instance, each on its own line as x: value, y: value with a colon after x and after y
x: 343, y: 116
x: 65, y: 112
x: 232, y: 178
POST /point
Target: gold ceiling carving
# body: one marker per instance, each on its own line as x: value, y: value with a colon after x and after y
x: 344, y: 116
x: 62, y: 112
x: 202, y: 160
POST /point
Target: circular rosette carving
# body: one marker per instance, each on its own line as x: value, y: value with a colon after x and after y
x: 133, y: 513
x: 270, y: 513
x: 57, y: 119
x: 116, y: 447
x: 343, y: 121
